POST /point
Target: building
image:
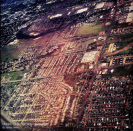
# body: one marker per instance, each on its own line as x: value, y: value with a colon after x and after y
x: 111, y: 47
x: 100, y: 5
x: 129, y: 17
x: 90, y: 57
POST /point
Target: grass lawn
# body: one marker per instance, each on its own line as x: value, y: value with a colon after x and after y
x: 91, y: 30
x: 15, y: 83
x: 127, y: 51
x: 125, y: 42
x: 13, y: 75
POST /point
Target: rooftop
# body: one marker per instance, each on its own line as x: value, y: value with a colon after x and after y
x: 130, y: 17
x: 100, y: 5
x: 82, y: 10
x: 54, y: 16
x: 89, y: 56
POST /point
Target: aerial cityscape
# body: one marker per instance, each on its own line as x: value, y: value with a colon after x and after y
x: 67, y: 65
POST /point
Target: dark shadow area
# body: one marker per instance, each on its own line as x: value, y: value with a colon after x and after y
x: 21, y: 35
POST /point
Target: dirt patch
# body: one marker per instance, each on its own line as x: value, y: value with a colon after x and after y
x: 57, y: 51
x: 72, y: 79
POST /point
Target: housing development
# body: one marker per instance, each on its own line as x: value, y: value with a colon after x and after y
x: 67, y: 65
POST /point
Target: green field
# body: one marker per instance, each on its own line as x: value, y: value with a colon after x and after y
x: 90, y: 30
x: 15, y: 75
x: 127, y: 51
x: 125, y: 40
x: 11, y: 52
x: 15, y: 83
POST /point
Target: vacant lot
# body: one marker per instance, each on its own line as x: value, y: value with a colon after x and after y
x: 72, y: 79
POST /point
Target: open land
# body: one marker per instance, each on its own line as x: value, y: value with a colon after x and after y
x: 89, y: 30
x: 69, y: 72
